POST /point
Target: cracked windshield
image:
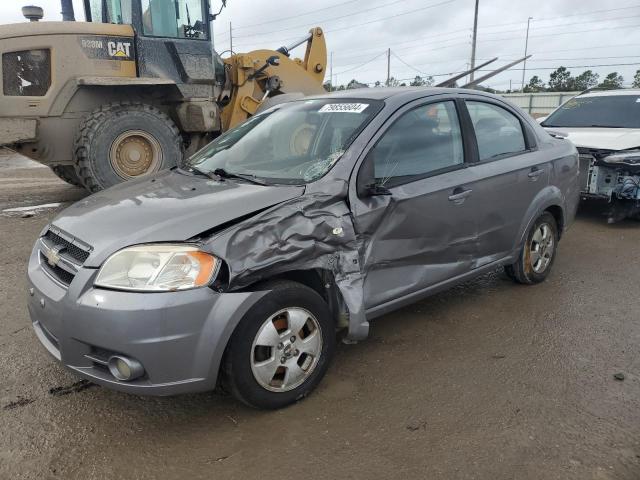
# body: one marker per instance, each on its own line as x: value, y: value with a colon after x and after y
x: 294, y: 143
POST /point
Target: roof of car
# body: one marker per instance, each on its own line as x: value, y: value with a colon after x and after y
x: 383, y: 93
x: 609, y: 93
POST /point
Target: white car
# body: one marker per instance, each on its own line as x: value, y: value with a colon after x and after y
x: 605, y: 127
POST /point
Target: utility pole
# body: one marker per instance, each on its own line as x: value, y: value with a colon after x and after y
x: 230, y: 39
x: 526, y: 46
x: 473, y: 42
x: 388, y: 67
x: 331, y: 72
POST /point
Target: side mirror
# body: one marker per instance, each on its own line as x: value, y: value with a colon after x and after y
x: 366, y: 182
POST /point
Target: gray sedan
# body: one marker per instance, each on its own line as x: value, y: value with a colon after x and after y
x: 312, y: 217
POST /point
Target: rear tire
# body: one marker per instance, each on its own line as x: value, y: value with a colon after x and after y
x: 122, y: 141
x: 538, y: 252
x: 281, y: 348
x: 68, y: 174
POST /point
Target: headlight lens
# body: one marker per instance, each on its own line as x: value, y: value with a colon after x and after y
x: 158, y: 268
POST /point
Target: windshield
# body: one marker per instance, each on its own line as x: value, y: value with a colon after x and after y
x: 110, y: 11
x: 294, y: 143
x: 613, y: 111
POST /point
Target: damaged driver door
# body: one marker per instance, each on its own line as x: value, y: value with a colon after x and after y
x: 414, y: 204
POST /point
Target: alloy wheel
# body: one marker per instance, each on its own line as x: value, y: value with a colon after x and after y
x: 286, y: 349
x: 541, y: 248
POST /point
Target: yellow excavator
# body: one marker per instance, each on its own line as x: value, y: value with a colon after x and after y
x: 136, y: 87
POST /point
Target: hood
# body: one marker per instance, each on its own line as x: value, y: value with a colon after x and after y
x: 28, y: 29
x: 604, y: 138
x: 168, y: 207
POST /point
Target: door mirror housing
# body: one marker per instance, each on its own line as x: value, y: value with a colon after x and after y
x: 366, y: 185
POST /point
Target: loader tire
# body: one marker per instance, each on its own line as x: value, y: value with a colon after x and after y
x: 123, y: 141
x: 67, y: 173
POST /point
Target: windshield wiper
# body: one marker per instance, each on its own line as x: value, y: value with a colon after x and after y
x: 221, y: 172
x: 197, y: 171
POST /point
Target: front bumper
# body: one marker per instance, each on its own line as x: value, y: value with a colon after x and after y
x: 16, y: 130
x: 179, y: 337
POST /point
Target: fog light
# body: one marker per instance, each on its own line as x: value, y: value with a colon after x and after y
x: 124, y: 368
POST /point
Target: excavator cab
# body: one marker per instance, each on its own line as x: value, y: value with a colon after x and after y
x: 135, y: 88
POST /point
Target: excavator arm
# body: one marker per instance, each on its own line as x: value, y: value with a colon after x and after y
x: 255, y: 76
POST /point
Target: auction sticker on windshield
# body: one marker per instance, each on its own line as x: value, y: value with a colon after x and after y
x: 344, y: 107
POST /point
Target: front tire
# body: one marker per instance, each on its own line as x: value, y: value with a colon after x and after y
x: 122, y: 141
x: 68, y: 174
x: 538, y: 252
x: 281, y: 348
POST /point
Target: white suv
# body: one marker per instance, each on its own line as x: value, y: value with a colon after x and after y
x: 605, y: 126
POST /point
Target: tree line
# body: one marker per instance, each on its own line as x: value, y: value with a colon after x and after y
x: 418, y: 81
x: 560, y: 80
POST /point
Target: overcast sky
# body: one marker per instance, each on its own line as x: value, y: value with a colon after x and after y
x: 431, y: 37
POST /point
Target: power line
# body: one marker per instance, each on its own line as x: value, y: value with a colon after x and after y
x: 487, y: 26
x: 361, y: 65
x: 502, y: 32
x: 579, y: 66
x: 388, y: 17
x: 582, y: 48
x: 339, y: 17
x: 563, y: 33
x: 581, y: 58
x: 566, y: 24
x: 494, y: 33
x: 282, y: 19
x: 543, y: 19
x: 410, y: 66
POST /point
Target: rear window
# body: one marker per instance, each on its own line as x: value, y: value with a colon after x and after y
x: 614, y: 111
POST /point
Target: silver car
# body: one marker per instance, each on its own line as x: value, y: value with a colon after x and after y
x: 315, y: 216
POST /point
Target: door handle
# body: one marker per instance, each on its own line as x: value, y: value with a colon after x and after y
x: 458, y: 196
x: 535, y: 173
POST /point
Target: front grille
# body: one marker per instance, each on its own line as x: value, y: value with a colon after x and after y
x: 56, y: 272
x: 76, y: 252
x: 26, y: 73
x: 61, y: 255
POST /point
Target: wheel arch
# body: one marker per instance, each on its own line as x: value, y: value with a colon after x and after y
x: 558, y: 214
x: 319, y: 280
x: 548, y: 199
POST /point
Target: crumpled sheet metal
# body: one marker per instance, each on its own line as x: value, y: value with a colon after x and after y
x: 311, y: 231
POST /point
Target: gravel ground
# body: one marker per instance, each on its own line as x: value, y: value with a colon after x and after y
x: 489, y: 380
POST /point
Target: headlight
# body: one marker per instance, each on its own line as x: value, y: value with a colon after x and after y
x: 158, y: 268
x: 627, y: 158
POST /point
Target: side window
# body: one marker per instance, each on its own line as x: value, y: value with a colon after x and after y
x: 110, y: 11
x: 423, y: 140
x: 173, y: 18
x: 498, y: 131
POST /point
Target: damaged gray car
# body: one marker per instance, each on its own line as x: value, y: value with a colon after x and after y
x: 314, y: 216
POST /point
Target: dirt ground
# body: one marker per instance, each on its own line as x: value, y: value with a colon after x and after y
x: 490, y: 380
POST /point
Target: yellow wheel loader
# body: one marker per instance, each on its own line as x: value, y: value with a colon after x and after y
x: 136, y: 87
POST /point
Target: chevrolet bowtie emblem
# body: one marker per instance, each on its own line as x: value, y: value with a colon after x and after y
x: 53, y: 255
